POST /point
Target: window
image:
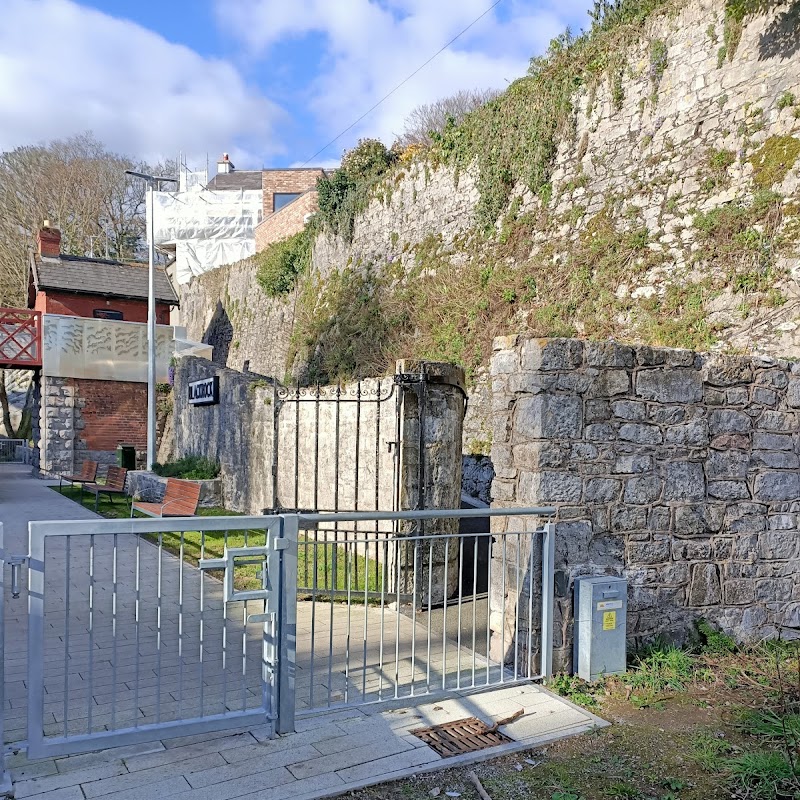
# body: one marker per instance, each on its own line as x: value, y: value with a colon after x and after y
x: 279, y: 200
x: 106, y: 313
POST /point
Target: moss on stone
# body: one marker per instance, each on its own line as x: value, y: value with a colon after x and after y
x: 774, y: 159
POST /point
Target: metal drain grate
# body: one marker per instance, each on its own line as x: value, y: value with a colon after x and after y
x: 461, y: 736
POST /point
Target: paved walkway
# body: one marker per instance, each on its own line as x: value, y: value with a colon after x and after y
x: 117, y: 657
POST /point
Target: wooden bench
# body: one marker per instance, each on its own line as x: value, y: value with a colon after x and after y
x: 180, y: 500
x: 115, y: 484
x: 87, y: 475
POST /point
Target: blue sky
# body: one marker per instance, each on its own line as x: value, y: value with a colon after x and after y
x: 270, y: 81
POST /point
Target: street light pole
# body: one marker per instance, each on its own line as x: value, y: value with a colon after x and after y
x: 152, y: 183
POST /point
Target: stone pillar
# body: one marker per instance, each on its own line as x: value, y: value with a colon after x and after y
x: 430, y: 468
x: 57, y: 425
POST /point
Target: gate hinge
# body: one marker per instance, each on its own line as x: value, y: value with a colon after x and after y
x: 15, y: 563
x: 280, y: 544
x: 407, y: 378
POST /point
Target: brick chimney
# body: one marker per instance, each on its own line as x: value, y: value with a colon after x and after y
x: 49, y: 241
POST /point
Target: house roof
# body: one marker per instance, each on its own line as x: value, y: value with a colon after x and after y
x: 238, y: 179
x: 100, y: 276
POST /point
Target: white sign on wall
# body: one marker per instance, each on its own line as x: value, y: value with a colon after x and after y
x: 204, y: 392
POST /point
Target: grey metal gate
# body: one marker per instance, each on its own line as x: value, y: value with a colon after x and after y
x: 129, y: 642
x: 10, y: 451
x: 146, y: 629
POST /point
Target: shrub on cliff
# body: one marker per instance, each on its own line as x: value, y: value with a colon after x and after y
x: 346, y: 192
x: 279, y: 265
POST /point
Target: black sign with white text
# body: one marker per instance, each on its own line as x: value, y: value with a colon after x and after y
x: 204, y: 392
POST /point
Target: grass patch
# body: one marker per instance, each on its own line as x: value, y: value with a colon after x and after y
x: 334, y: 568
x: 774, y: 159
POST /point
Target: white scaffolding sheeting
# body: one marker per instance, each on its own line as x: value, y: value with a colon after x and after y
x: 204, y: 228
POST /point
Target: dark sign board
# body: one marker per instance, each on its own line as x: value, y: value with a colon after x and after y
x: 204, y: 392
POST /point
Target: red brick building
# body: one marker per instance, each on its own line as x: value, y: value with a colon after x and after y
x: 77, y: 286
x: 82, y: 417
x: 289, y: 197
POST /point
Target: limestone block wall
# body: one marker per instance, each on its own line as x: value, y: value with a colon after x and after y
x: 675, y: 470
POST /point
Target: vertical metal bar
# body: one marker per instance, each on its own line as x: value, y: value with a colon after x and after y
x: 297, y: 447
x: 158, y: 626
x: 489, y: 609
x: 430, y: 603
x: 366, y: 627
x: 114, y: 633
x: 422, y: 401
x: 5, y: 776
x: 180, y: 627
x: 334, y: 554
x: 460, y: 603
x: 244, y: 655
x: 384, y: 570
x: 503, y: 615
x: 548, y: 599
x: 224, y: 640
x: 516, y: 612
x: 287, y: 656
x: 444, y: 612
x: 397, y: 617
x: 356, y: 465
x: 36, y: 580
x: 89, y: 698
x: 377, y: 481
x: 67, y: 560
x: 414, y: 619
x: 315, y: 568
x: 136, y: 623
x: 316, y: 449
x: 276, y: 418
x: 202, y: 579
x: 529, y: 541
x: 475, y: 603
x: 348, y: 568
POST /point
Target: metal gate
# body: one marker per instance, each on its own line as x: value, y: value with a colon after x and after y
x: 146, y: 629
x: 360, y: 471
x: 10, y: 451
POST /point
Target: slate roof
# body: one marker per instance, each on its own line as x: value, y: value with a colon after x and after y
x: 100, y: 276
x: 238, y: 179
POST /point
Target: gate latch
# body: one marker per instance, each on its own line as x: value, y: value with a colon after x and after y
x: 241, y: 556
x: 15, y: 562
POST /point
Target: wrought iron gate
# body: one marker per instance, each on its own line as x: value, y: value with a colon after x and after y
x: 336, y: 448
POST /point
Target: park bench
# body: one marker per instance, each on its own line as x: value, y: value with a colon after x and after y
x: 115, y: 484
x: 180, y: 500
x: 87, y: 475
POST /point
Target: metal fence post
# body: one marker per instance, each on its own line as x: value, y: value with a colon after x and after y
x: 548, y: 596
x: 287, y: 630
x: 5, y: 776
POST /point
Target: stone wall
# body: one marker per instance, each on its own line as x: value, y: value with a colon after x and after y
x: 674, y: 470
x: 227, y: 309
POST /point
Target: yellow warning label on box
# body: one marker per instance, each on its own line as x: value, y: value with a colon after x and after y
x: 609, y: 620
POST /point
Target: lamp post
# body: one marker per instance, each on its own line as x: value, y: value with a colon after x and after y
x: 153, y: 182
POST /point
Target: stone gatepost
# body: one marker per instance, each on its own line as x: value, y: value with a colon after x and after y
x: 431, y: 424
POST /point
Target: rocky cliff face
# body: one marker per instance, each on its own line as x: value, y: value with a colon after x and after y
x: 670, y: 216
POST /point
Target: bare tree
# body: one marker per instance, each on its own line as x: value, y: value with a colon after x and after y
x: 434, y: 116
x: 82, y: 189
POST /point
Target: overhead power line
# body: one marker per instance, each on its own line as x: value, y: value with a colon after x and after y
x: 403, y: 82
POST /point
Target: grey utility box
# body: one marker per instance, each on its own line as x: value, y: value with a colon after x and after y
x: 601, y: 606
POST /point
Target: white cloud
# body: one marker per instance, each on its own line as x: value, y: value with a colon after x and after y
x: 372, y: 45
x: 65, y: 68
